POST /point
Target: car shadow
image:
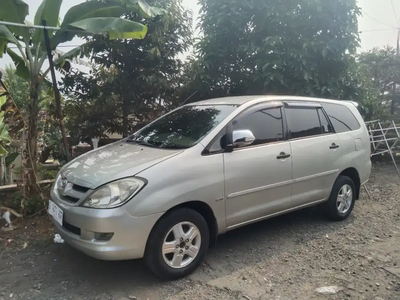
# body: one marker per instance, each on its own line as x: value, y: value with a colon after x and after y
x: 235, y: 250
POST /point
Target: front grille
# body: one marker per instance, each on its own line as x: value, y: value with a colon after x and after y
x: 71, y: 228
x: 71, y: 192
x: 79, y: 188
x: 71, y: 199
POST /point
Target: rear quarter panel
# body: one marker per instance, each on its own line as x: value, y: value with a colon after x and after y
x: 356, y: 149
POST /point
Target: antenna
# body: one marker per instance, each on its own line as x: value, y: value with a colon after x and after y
x: 187, y: 99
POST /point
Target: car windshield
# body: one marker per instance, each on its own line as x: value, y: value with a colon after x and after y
x: 183, y: 128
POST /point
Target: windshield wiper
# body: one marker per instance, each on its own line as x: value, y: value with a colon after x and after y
x: 174, y: 146
x: 154, y: 144
x: 143, y: 143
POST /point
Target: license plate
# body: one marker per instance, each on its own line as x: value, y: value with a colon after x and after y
x: 56, y: 212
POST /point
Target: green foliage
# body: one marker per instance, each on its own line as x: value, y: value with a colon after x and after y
x: 22, y: 69
x: 89, y: 113
x: 90, y: 18
x: 380, y: 73
x: 18, y: 88
x: 10, y: 158
x: 15, y: 11
x: 34, y: 204
x: 91, y: 9
x: 29, y: 206
x: 51, y: 139
x: 7, y: 35
x: 95, y: 17
x: 132, y: 30
x: 49, y: 132
x: 4, y: 137
x: 46, y: 174
x: 93, y: 20
x: 283, y: 47
x: 48, y: 10
x: 132, y: 81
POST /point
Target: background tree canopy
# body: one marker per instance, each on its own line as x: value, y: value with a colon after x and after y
x: 18, y: 87
x: 379, y: 72
x: 304, y: 47
x: 133, y: 81
x: 301, y: 47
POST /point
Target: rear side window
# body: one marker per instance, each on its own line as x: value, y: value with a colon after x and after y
x: 341, y: 117
x: 266, y: 125
x: 325, y: 125
x: 303, y: 122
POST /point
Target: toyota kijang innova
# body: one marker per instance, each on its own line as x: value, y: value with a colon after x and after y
x: 166, y: 192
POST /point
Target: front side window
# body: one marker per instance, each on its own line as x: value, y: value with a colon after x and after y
x: 182, y: 128
x: 341, y: 117
x: 266, y: 125
x: 303, y: 122
x: 219, y: 143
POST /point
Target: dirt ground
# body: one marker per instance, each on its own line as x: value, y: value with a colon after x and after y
x: 288, y: 257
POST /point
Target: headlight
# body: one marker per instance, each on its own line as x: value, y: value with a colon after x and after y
x: 57, y: 182
x: 114, y: 193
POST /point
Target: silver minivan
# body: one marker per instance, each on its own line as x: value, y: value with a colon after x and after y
x: 166, y: 192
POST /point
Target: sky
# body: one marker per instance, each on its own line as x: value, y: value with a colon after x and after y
x: 378, y: 25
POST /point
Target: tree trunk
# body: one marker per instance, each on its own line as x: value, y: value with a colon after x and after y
x: 44, y: 156
x: 30, y: 185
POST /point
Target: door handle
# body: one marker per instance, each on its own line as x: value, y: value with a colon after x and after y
x: 283, y: 155
x: 333, y: 146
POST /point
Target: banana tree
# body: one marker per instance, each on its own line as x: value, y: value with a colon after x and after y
x: 85, y: 19
x: 7, y: 112
x: 4, y: 137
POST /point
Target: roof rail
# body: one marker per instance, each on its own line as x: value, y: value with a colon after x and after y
x: 352, y: 102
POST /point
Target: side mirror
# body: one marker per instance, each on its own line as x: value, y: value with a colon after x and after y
x: 242, y: 138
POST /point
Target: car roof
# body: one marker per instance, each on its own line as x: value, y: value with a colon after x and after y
x: 240, y: 100
x: 235, y: 100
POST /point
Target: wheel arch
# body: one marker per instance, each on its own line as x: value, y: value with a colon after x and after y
x: 204, y: 210
x: 352, y: 173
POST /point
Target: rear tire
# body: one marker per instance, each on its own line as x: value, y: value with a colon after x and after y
x: 341, y: 201
x: 177, y: 244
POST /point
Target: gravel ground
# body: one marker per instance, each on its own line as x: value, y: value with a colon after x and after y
x: 288, y: 257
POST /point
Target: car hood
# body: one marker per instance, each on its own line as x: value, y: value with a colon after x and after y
x: 112, y: 162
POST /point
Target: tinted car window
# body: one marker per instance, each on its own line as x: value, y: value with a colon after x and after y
x: 325, y: 125
x: 219, y: 144
x: 266, y: 125
x: 303, y: 122
x: 182, y: 128
x: 341, y: 117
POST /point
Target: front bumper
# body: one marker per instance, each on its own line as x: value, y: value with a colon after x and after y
x: 130, y: 233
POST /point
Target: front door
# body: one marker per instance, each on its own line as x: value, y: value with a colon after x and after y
x: 315, y: 153
x: 258, y: 176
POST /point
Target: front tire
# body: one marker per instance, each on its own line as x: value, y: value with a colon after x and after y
x: 177, y: 244
x: 341, y: 201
